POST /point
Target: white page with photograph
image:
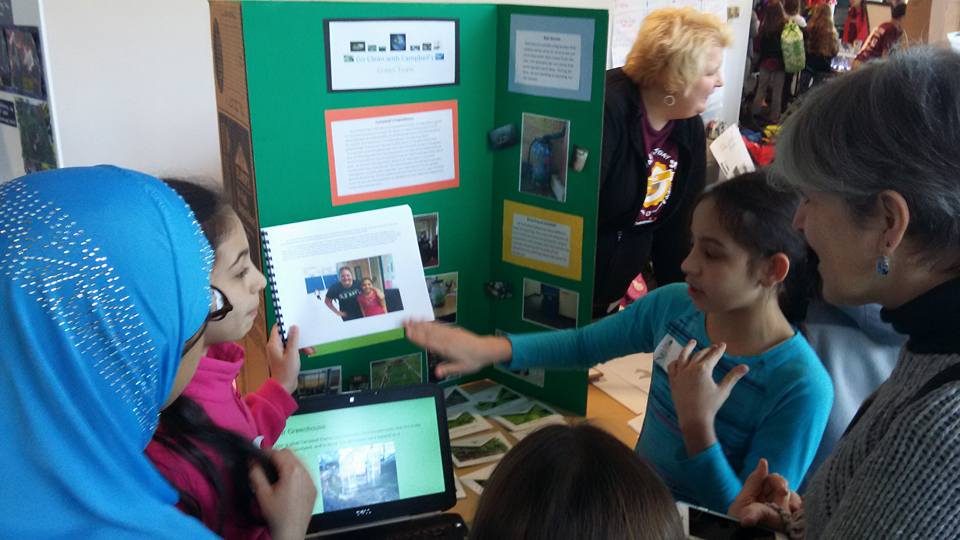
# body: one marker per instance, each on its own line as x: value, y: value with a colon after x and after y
x: 346, y: 276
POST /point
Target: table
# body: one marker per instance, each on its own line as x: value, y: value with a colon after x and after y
x: 602, y: 411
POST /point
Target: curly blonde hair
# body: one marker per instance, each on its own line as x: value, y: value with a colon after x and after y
x: 671, y: 48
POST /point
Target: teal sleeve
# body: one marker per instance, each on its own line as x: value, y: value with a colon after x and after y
x: 788, y: 438
x: 627, y: 332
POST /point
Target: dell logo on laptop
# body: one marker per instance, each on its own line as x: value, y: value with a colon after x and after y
x: 364, y: 512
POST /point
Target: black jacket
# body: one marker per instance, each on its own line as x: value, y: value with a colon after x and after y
x: 623, y: 248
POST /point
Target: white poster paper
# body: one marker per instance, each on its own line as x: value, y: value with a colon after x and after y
x: 627, y: 380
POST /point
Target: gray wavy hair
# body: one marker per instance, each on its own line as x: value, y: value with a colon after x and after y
x: 891, y: 125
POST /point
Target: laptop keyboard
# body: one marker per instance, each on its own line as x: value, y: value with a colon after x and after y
x: 440, y: 527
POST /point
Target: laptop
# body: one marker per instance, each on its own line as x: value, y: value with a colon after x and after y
x: 381, y: 463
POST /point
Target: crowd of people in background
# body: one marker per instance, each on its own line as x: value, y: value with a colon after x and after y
x: 795, y: 47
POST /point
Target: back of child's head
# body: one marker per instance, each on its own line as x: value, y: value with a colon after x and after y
x: 791, y: 7
x: 579, y: 482
x: 772, y: 19
x: 759, y: 218
x: 210, y: 207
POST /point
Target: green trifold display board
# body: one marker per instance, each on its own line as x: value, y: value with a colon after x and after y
x: 520, y: 206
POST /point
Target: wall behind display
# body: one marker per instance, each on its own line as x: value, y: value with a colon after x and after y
x: 128, y: 83
x: 131, y: 84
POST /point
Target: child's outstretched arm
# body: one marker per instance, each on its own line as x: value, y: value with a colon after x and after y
x: 624, y: 333
x: 462, y: 350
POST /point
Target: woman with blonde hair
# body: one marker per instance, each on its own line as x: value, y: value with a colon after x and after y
x: 654, y: 156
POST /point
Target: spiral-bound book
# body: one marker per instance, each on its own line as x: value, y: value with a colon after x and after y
x: 346, y: 276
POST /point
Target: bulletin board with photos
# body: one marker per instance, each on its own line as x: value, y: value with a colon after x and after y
x: 23, y: 95
x: 484, y: 119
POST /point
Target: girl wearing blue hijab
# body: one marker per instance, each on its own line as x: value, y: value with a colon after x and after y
x: 104, y: 279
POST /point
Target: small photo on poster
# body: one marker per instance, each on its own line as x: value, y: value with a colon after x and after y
x: 26, y: 69
x: 36, y: 136
x: 442, y: 289
x: 544, y: 150
x: 356, y: 289
x: 549, y: 305
x: 399, y: 371
x: 428, y: 239
x: 316, y: 382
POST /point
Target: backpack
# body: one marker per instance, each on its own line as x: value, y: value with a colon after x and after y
x: 791, y: 43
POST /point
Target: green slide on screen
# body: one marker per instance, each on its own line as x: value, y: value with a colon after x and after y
x: 368, y: 454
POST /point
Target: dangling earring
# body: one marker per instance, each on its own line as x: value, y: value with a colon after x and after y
x: 669, y: 100
x: 883, y: 265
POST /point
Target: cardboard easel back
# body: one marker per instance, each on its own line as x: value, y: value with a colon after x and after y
x: 236, y: 157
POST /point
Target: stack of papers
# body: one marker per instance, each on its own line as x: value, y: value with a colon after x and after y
x: 627, y: 380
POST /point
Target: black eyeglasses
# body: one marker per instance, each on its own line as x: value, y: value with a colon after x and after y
x: 220, y: 306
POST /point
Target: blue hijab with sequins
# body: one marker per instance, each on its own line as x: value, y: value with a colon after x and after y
x: 104, y: 275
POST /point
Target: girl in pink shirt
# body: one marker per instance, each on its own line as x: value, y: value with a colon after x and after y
x: 209, y: 436
x: 371, y: 299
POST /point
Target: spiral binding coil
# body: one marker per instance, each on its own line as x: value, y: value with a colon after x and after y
x: 272, y: 283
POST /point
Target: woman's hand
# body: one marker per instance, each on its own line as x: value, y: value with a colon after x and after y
x: 761, y: 489
x: 461, y: 350
x: 284, y: 360
x: 696, y: 397
x: 287, y: 504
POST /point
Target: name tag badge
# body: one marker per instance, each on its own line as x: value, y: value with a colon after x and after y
x: 667, y: 351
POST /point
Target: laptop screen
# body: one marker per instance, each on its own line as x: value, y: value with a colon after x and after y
x: 374, y: 455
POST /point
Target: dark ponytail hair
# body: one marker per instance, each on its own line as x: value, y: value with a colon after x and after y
x: 759, y: 218
x: 575, y: 482
x: 187, y: 431
x: 211, y: 208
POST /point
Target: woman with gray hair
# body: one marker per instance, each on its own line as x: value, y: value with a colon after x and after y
x: 876, y: 154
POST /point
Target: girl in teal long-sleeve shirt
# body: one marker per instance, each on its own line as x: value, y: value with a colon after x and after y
x: 705, y: 428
